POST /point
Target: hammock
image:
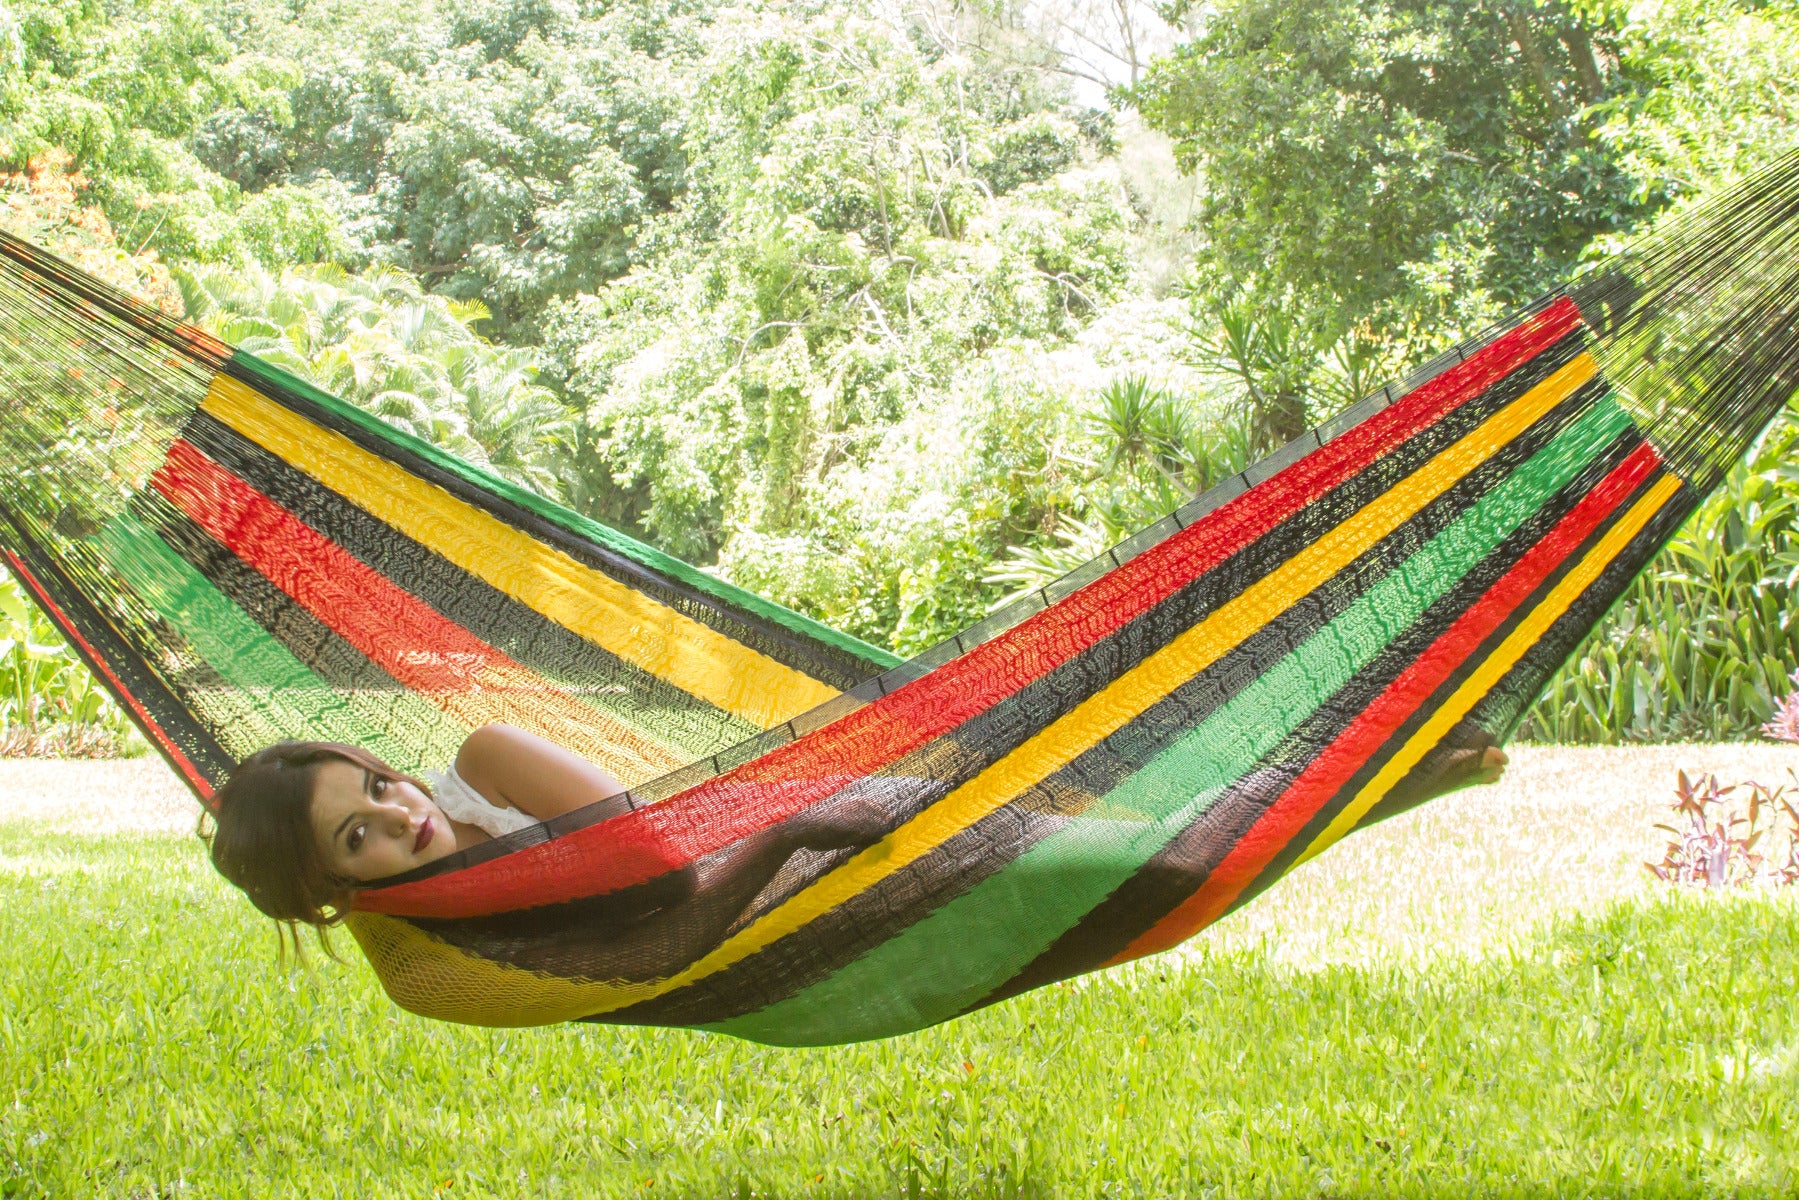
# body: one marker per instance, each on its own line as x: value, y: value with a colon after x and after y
x: 1091, y: 775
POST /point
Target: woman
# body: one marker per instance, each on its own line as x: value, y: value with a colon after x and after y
x: 300, y: 826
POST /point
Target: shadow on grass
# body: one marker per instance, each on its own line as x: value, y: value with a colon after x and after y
x: 151, y: 1044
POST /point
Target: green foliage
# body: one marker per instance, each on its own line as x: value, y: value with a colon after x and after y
x: 900, y: 541
x: 49, y: 703
x: 1379, y: 177
x: 1719, y: 95
x: 1355, y: 151
x: 379, y: 340
x: 1645, y: 1051
x: 521, y: 171
x: 1156, y: 449
x: 1702, y: 646
x: 1145, y: 426
x: 830, y: 374
x: 1286, y: 374
x: 507, y: 150
x: 121, y: 88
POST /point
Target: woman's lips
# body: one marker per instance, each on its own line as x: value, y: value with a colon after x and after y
x: 424, y: 837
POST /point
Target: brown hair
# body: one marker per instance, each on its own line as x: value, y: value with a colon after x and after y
x: 261, y: 836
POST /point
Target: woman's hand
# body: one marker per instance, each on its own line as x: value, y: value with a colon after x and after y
x: 840, y: 825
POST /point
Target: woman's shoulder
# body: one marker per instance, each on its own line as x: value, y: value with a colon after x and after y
x: 461, y: 801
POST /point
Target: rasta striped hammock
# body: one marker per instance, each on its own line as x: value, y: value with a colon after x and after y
x: 1090, y: 775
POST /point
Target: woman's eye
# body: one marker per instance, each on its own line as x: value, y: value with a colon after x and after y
x: 355, y: 838
x: 377, y: 787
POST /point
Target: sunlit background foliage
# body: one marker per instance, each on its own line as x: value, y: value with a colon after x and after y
x: 889, y: 309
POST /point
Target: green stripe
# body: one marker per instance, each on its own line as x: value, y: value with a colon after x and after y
x: 964, y: 950
x: 647, y: 556
x: 275, y: 695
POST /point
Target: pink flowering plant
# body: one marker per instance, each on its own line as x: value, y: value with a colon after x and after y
x: 1732, y: 835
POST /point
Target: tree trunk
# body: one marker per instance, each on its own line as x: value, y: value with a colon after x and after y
x: 1284, y: 419
x: 1532, y: 49
x: 1586, y: 67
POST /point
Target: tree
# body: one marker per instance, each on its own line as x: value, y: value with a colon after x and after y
x: 1377, y: 156
x: 1382, y: 175
x: 507, y: 149
x: 871, y: 228
x: 1717, y: 94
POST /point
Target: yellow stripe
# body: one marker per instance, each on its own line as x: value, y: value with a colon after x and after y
x: 1127, y: 697
x: 1490, y: 672
x: 1120, y: 702
x: 428, y: 976
x: 675, y: 648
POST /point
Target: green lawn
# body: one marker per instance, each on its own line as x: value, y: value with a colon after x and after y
x: 151, y: 1045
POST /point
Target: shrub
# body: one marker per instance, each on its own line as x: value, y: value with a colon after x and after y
x: 1730, y: 836
x: 1701, y: 646
x: 50, y: 705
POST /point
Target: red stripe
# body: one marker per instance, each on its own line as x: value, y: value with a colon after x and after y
x: 196, y: 781
x: 410, y: 640
x: 711, y: 815
x: 1365, y: 736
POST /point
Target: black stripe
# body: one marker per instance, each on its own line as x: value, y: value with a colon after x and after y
x: 973, y: 854
x: 510, y: 626
x: 829, y: 664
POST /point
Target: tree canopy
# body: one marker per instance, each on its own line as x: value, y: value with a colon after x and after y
x: 881, y: 309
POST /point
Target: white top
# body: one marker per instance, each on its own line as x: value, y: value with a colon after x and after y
x: 460, y: 802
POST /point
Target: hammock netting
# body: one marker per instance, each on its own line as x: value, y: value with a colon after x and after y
x: 1089, y: 776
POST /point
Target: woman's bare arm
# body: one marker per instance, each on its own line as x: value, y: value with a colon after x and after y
x: 530, y: 773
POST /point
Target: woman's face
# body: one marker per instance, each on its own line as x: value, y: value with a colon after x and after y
x: 369, y: 828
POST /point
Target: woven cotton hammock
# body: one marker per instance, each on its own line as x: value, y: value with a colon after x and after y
x: 1091, y: 775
